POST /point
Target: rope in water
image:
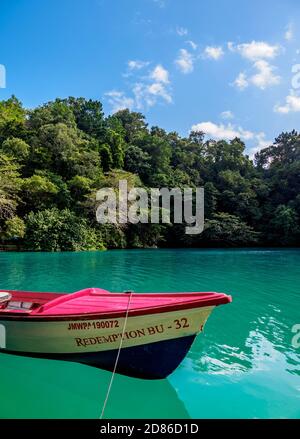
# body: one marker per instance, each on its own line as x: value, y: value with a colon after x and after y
x: 117, y: 359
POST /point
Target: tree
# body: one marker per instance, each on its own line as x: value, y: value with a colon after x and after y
x: 9, y: 186
x: 38, y: 191
x: 211, y: 195
x: 80, y: 187
x: 133, y: 124
x: 54, y: 230
x: 284, y: 226
x: 14, y: 228
x: 63, y: 150
x: 54, y: 158
x: 229, y: 230
x: 284, y: 151
x: 106, y: 157
x: 137, y: 161
x: 12, y: 119
x: 159, y: 150
x: 117, y: 147
x: 52, y: 113
x: 16, y: 148
x: 88, y: 115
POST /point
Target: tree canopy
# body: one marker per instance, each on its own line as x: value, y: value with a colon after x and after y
x: 54, y: 158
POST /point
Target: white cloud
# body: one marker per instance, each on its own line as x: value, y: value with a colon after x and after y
x: 245, y: 134
x: 265, y: 76
x: 259, y: 52
x: 229, y: 132
x: 145, y: 90
x: 292, y: 104
x: 147, y: 95
x: 221, y: 131
x: 241, y: 82
x: 213, y: 52
x: 262, y: 143
x: 185, y: 61
x: 160, y: 3
x: 289, y: 33
x: 150, y: 90
x: 227, y: 115
x: 119, y: 101
x: 157, y: 89
x: 192, y: 44
x: 136, y: 64
x: 181, y: 31
x: 256, y: 50
x: 160, y: 74
x: 142, y: 98
x: 230, y: 46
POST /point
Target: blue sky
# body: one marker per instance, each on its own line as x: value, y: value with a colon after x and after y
x: 221, y: 66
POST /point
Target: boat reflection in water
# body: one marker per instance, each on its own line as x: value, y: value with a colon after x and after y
x: 70, y: 390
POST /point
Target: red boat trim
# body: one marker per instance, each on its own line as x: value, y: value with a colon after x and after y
x: 213, y: 301
x: 40, y: 297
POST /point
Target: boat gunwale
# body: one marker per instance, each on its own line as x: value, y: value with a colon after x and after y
x: 111, y: 315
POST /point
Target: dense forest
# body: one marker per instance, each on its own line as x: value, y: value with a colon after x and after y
x: 55, y: 157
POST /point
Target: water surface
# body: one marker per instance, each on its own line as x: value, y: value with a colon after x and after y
x: 244, y: 365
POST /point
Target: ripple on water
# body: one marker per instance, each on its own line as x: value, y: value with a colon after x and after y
x: 243, y: 365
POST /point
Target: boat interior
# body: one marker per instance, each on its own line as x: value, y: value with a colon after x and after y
x: 23, y: 302
x: 96, y: 300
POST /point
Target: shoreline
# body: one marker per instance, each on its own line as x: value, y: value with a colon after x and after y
x: 217, y: 247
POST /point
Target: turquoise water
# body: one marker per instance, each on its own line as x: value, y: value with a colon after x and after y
x: 244, y: 365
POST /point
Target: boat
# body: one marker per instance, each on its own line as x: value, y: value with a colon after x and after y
x: 142, y: 335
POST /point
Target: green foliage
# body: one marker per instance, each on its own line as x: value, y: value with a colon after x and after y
x: 117, y: 147
x: 12, y: 119
x: 55, y: 230
x: 112, y: 178
x: 57, y: 112
x: 38, y: 191
x: 133, y: 124
x: 146, y: 235
x: 228, y: 230
x: 106, y: 157
x: 88, y: 115
x: 284, y: 226
x: 15, y: 147
x: 54, y: 158
x: 159, y: 150
x: 113, y: 236
x: 80, y: 186
x: 137, y: 161
x: 9, y: 186
x: 14, y: 228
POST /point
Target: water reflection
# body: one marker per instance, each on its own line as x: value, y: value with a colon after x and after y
x: 244, y: 365
x: 259, y: 343
x: 35, y: 388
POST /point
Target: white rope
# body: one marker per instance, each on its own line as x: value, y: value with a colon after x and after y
x: 117, y: 359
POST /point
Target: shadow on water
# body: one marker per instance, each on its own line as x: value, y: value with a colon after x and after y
x: 34, y: 388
